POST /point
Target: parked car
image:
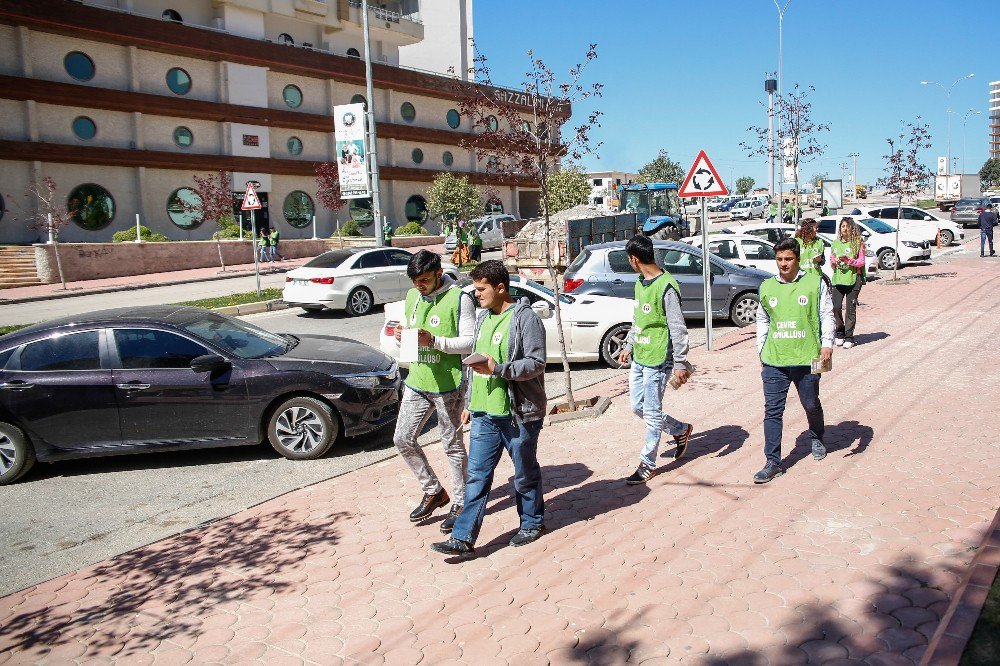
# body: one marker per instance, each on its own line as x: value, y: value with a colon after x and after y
x: 728, y: 205
x: 172, y: 378
x: 716, y: 205
x: 604, y: 270
x: 881, y: 241
x: 352, y: 280
x: 919, y: 220
x: 966, y: 211
x: 594, y: 327
x: 749, y: 209
x: 772, y: 233
x: 740, y: 250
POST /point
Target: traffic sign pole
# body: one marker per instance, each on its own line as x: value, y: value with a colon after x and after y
x: 256, y: 250
x: 706, y: 272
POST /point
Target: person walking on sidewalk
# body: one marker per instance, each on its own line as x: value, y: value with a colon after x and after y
x: 847, y: 258
x: 789, y: 215
x: 826, y: 209
x: 273, y: 239
x: 657, y: 345
x: 264, y: 243
x: 475, y: 243
x: 811, y: 248
x: 506, y: 404
x: 772, y: 212
x: 987, y: 220
x: 445, y: 317
x: 794, y: 326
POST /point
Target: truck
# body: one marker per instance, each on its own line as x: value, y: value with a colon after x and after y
x: 950, y: 188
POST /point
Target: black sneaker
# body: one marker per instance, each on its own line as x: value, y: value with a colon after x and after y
x: 454, y: 547
x: 449, y: 520
x: 682, y: 442
x: 428, y: 504
x: 819, y: 451
x: 524, y: 537
x: 642, y: 474
x: 770, y: 471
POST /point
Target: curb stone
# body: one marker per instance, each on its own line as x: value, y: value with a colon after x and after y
x: 252, y: 308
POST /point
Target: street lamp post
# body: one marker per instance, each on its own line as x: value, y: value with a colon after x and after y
x: 372, y: 158
x: 964, y: 119
x: 854, y: 176
x: 781, y: 20
x: 947, y: 92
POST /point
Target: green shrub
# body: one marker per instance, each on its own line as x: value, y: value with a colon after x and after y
x: 411, y: 229
x: 228, y: 232
x: 350, y: 228
x: 128, y: 236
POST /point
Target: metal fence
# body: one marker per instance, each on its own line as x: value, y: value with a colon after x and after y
x: 594, y: 230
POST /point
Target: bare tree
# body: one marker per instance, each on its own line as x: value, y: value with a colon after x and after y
x: 513, y: 147
x: 905, y: 175
x: 328, y: 187
x: 213, y: 198
x: 42, y: 211
x: 796, y: 133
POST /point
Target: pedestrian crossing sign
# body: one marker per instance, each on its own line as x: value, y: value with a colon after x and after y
x: 250, y: 200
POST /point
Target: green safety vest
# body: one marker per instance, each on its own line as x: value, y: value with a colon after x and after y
x: 652, y: 337
x: 793, y: 331
x: 844, y: 274
x: 806, y: 254
x: 434, y: 371
x: 489, y: 393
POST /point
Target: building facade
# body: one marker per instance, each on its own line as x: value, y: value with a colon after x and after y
x: 603, y: 184
x: 994, y: 145
x: 123, y: 102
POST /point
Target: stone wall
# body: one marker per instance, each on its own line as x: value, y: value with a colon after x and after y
x: 92, y: 261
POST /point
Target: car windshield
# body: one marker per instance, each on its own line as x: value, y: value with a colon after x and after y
x: 237, y: 337
x: 967, y: 202
x: 878, y: 226
x: 563, y: 298
x: 330, y: 259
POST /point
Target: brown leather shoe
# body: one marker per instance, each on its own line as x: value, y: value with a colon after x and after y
x: 428, y: 504
x: 682, y: 442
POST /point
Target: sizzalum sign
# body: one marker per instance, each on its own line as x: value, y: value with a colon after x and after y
x: 352, y: 151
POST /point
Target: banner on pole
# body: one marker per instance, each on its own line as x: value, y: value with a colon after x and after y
x: 352, y: 151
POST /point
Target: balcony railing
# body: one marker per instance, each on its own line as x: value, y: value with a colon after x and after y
x: 388, y: 15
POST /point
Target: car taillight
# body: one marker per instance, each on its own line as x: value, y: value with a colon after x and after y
x: 289, y: 279
x: 390, y: 329
x: 571, y: 283
x: 980, y: 210
x: 327, y: 280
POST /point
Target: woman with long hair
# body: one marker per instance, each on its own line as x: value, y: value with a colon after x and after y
x: 848, y: 262
x: 811, y: 247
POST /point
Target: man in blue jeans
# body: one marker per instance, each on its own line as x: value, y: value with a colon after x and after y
x: 987, y: 220
x: 506, y: 403
x: 795, y: 325
x: 657, y: 345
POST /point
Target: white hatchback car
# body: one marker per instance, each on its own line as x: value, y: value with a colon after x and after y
x: 352, y: 280
x: 595, y: 327
x: 749, y: 209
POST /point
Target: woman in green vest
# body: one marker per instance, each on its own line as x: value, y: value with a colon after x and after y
x: 811, y: 247
x: 847, y: 259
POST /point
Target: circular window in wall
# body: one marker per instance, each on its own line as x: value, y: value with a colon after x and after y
x: 293, y: 96
x: 361, y: 211
x: 353, y: 53
x: 183, y: 137
x: 91, y: 206
x: 84, y: 128
x: 79, y: 66
x: 454, y: 119
x: 360, y: 99
x: 182, y: 208
x: 178, y: 81
x: 285, y: 38
x: 408, y: 112
x: 295, y: 145
x: 491, y: 123
x: 416, y: 209
x: 417, y: 155
x: 447, y: 158
x: 298, y: 209
x: 172, y: 15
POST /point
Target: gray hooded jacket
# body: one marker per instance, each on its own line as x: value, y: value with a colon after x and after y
x: 525, y: 369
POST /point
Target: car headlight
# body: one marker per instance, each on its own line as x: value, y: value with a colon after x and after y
x: 360, y: 381
x: 910, y: 244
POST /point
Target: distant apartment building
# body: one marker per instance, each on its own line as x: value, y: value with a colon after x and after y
x: 122, y: 102
x: 603, y: 184
x: 994, y: 146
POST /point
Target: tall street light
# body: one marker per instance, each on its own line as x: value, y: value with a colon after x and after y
x: 947, y: 91
x: 781, y: 20
x: 964, y: 119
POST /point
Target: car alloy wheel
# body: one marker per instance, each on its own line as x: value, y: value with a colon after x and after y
x: 8, y: 454
x: 302, y: 428
x: 17, y: 456
x: 359, y: 302
x: 744, y: 310
x: 613, y: 344
x: 887, y: 260
x: 947, y: 238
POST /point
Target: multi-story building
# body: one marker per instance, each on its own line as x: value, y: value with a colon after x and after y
x: 994, y: 146
x: 603, y: 184
x: 122, y: 102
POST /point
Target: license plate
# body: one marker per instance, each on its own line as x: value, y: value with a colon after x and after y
x: 300, y: 283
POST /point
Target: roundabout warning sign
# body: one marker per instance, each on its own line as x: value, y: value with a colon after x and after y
x: 702, y: 180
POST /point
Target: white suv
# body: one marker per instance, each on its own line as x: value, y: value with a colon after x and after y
x: 749, y: 209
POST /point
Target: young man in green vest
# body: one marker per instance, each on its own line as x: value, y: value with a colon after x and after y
x: 274, y: 238
x: 657, y: 345
x: 506, y: 403
x: 445, y: 318
x: 794, y: 326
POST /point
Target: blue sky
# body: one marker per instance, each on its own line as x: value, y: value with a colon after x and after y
x: 690, y: 75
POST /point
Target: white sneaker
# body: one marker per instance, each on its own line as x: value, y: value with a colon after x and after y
x: 848, y: 344
x: 839, y: 342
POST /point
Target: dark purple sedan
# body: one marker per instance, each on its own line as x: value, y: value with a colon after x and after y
x: 164, y: 378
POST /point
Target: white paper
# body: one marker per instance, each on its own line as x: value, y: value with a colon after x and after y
x: 408, y: 346
x: 473, y: 358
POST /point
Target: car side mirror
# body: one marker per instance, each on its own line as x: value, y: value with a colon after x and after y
x: 542, y: 309
x: 209, y: 363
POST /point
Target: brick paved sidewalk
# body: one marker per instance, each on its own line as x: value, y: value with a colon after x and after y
x: 845, y: 560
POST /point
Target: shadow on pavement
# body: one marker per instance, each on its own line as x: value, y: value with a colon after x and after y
x: 837, y: 438
x: 865, y: 338
x: 162, y: 591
